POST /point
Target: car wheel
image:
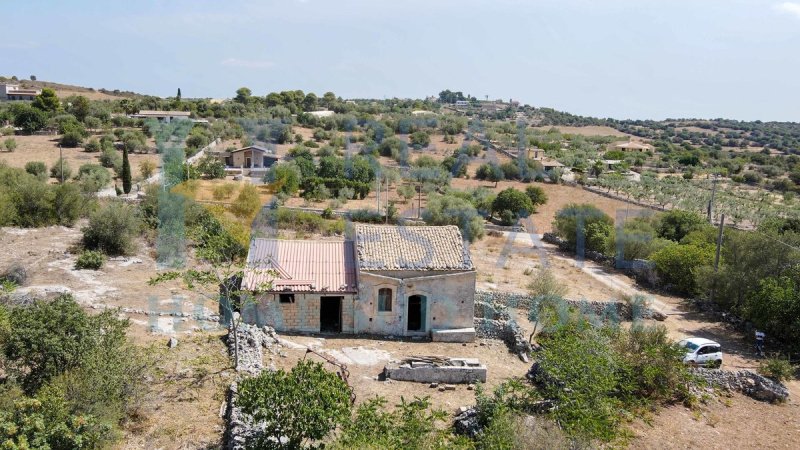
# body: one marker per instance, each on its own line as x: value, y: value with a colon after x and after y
x: 718, y: 363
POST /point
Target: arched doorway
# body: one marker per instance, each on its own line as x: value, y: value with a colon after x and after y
x: 417, y: 305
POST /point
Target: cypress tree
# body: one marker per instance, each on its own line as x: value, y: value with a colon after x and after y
x: 126, y: 172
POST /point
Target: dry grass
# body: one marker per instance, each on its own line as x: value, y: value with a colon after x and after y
x: 45, y: 149
x: 586, y: 131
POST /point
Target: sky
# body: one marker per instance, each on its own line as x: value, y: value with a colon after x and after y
x: 626, y: 59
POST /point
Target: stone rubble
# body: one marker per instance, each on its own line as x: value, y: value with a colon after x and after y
x: 745, y: 381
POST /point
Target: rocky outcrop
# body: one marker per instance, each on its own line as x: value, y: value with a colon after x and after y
x: 745, y: 381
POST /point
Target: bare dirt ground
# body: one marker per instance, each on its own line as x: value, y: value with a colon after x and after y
x: 366, y: 356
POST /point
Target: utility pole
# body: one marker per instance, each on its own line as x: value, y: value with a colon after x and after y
x: 719, y: 242
x: 419, y: 202
x: 61, y: 161
x: 716, y: 257
x: 711, y: 202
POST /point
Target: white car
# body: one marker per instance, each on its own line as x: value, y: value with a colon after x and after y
x: 702, y: 352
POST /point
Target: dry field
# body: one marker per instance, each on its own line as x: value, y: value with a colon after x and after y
x: 586, y: 131
x: 45, y: 149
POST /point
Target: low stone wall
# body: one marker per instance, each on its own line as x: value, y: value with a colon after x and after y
x: 489, y: 304
x: 457, y: 371
x: 747, y: 382
x: 251, y: 343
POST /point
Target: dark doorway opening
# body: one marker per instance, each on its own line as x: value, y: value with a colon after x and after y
x: 330, y: 315
x: 416, y: 313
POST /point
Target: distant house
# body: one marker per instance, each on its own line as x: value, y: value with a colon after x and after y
x: 397, y: 280
x: 547, y: 163
x: 162, y: 116
x: 462, y: 103
x: 12, y: 92
x: 634, y: 146
x: 320, y: 114
x: 251, y: 159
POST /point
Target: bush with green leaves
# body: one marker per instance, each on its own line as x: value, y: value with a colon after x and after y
x: 598, y: 375
x: 514, y: 201
x: 10, y: 144
x: 112, y: 159
x: 411, y: 425
x: 223, y: 191
x: 89, y: 259
x: 247, y: 202
x: 779, y: 369
x: 112, y: 229
x: 536, y: 194
x: 302, y: 406
x: 60, y: 170
x: 584, y: 221
x: 80, y: 375
x: 93, y: 146
x: 284, y: 177
x: 677, y: 265
x: 211, y: 167
x: 676, y: 224
x: 37, y: 169
x: 452, y: 210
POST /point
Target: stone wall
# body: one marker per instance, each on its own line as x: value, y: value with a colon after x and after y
x: 302, y: 316
x: 449, y: 302
x: 492, y: 301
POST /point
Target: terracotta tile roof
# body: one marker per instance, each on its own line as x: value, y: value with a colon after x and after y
x: 382, y: 247
x: 311, y: 266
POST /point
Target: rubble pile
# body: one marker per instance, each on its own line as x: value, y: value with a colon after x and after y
x: 747, y: 382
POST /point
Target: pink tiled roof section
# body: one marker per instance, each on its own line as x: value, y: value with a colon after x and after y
x: 312, y: 266
x: 382, y: 247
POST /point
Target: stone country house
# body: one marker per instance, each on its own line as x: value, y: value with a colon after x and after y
x: 387, y: 280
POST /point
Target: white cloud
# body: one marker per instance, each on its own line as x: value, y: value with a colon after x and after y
x: 789, y: 8
x: 247, y: 63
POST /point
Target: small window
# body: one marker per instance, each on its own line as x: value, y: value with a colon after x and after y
x: 384, y: 300
x: 287, y: 298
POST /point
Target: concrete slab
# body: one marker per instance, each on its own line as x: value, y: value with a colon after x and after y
x: 452, y: 371
x: 453, y: 335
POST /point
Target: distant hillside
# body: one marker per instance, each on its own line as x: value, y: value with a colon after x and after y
x: 65, y: 90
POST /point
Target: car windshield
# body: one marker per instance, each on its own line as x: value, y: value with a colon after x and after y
x: 691, y: 345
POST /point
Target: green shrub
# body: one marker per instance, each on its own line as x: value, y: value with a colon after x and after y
x: 223, y: 191
x: 515, y: 201
x: 677, y: 264
x: 302, y: 406
x: 71, y: 139
x: 112, y: 229
x: 410, y: 425
x: 10, y: 144
x: 57, y: 168
x: 37, y: 169
x: 452, y: 210
x: 247, y: 202
x: 594, y: 225
x: 92, y: 146
x: 112, y: 159
x: 778, y: 369
x: 90, y: 259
